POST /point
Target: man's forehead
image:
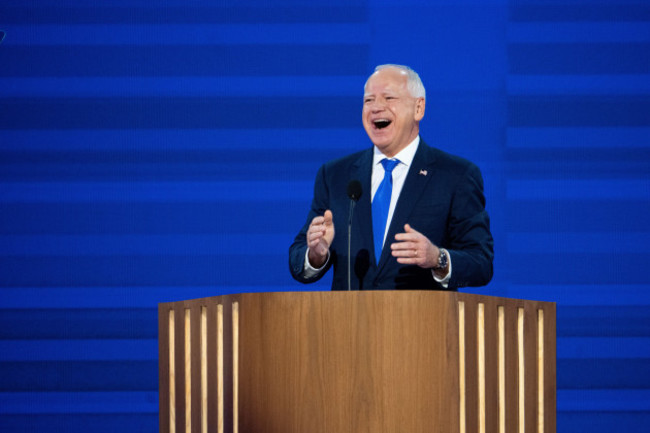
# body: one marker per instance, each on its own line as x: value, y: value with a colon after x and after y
x: 396, y: 80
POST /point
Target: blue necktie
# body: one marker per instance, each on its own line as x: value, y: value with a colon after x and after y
x: 381, y: 204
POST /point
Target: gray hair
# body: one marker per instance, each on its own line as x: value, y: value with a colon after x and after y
x: 413, y: 81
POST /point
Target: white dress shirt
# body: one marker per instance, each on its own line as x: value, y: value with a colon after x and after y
x: 405, y: 157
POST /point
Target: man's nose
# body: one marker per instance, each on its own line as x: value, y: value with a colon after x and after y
x: 377, y: 106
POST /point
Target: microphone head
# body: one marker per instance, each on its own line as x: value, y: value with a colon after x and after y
x: 354, y: 190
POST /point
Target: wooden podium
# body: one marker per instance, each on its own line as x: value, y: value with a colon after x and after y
x: 357, y: 362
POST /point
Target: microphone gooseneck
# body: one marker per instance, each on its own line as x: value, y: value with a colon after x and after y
x: 354, y: 192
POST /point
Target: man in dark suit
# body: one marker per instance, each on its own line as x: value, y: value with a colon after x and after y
x: 420, y: 222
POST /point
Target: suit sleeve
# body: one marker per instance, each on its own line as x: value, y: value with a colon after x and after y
x: 469, y: 240
x: 298, y: 248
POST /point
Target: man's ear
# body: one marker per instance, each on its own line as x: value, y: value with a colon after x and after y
x: 419, y: 109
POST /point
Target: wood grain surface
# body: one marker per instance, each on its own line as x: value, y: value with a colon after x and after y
x: 356, y: 362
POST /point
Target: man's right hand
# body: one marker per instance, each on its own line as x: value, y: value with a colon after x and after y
x: 319, y: 238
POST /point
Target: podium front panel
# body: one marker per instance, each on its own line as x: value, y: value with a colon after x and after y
x: 382, y: 361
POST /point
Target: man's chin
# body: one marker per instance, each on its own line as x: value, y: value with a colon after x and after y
x: 380, y: 140
x: 384, y: 146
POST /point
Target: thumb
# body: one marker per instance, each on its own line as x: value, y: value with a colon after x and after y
x: 328, y: 217
x: 409, y: 229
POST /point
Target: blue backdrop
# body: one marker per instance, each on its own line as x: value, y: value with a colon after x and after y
x: 155, y: 151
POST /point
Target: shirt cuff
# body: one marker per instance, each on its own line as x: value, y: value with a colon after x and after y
x: 310, y: 271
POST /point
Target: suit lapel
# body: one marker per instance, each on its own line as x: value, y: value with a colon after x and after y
x: 417, y: 179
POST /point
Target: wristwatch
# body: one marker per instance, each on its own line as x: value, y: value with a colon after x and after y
x: 443, y: 260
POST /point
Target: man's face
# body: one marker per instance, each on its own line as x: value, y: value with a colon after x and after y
x: 391, y: 115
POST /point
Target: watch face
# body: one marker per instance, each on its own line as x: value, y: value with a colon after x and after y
x: 442, y: 259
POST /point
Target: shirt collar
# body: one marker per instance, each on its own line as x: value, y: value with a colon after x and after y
x: 405, y: 156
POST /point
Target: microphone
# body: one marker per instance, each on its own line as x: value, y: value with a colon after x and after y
x: 354, y: 192
x: 2, y: 35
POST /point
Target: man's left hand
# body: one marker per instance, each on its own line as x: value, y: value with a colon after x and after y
x: 413, y: 248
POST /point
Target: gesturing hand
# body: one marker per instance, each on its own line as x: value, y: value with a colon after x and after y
x: 319, y: 238
x: 413, y: 248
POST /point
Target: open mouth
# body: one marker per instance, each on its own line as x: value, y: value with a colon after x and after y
x: 381, y: 123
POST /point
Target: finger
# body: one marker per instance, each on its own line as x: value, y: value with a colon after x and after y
x: 317, y: 231
x: 407, y: 237
x: 398, y: 246
x: 317, y: 220
x: 408, y: 257
x: 407, y: 254
x: 328, y: 217
x: 315, y: 240
x: 409, y: 260
x: 314, y: 235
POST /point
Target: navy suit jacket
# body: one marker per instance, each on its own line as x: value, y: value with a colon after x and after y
x: 442, y: 198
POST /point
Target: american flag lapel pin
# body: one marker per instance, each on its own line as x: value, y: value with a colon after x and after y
x: 423, y: 172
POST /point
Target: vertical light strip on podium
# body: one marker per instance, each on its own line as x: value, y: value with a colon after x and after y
x: 461, y: 365
x: 501, y: 326
x: 540, y: 371
x: 220, y: 404
x: 188, y: 372
x: 235, y: 367
x: 480, y: 324
x: 172, y: 375
x: 521, y: 385
x: 204, y: 369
